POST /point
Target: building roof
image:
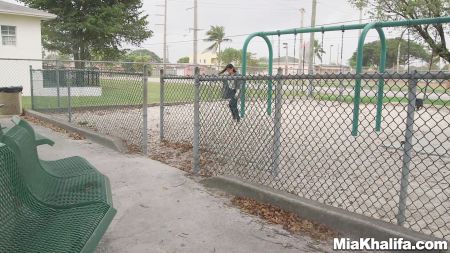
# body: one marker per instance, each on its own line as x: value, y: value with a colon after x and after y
x: 14, y: 9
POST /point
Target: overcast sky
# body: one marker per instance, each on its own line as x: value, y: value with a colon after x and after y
x: 244, y: 17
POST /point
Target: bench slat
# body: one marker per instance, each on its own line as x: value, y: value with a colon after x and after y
x: 31, y: 226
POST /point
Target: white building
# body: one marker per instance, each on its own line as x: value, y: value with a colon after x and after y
x: 289, y: 65
x: 205, y: 58
x: 20, y: 39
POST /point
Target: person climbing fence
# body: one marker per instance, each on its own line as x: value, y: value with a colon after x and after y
x: 231, y: 93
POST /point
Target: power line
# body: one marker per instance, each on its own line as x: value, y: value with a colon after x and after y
x: 246, y: 34
x: 235, y: 42
x: 209, y: 5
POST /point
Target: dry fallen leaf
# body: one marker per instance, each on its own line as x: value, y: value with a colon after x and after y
x: 72, y: 135
x: 288, y: 220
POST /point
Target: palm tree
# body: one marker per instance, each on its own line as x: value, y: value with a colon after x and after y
x: 318, y: 51
x: 216, y: 35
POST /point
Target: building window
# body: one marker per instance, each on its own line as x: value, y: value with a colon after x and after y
x: 8, y: 35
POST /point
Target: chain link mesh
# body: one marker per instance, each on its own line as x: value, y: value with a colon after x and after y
x: 109, y: 102
x: 305, y: 145
x: 178, y: 109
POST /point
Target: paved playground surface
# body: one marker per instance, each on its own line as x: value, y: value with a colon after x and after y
x: 160, y: 209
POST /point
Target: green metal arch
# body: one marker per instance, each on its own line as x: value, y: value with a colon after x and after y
x: 366, y: 27
x: 359, y: 65
x: 244, y: 71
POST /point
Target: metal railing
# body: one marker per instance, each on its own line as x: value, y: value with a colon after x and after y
x: 400, y: 174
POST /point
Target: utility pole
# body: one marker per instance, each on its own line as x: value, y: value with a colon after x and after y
x: 311, y: 38
x: 165, y: 35
x: 360, y: 19
x: 167, y: 53
x: 331, y: 48
x: 286, y: 66
x: 398, y: 50
x: 337, y: 55
x: 300, y: 60
x: 279, y: 54
x: 165, y: 32
x: 195, y: 32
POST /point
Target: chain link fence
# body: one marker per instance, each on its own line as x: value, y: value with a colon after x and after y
x: 298, y: 138
x: 107, y: 97
x: 108, y: 102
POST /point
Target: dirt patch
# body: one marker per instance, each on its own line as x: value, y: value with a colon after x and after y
x: 179, y: 155
x: 72, y: 135
x: 134, y: 149
x: 290, y: 221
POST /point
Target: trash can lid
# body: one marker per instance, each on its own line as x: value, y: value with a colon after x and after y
x: 11, y: 89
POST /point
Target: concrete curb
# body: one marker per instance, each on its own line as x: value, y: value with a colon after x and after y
x: 107, y: 141
x: 352, y: 224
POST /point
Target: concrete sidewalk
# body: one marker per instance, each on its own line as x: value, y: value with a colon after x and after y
x: 160, y: 209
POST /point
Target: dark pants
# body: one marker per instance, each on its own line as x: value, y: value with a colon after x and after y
x: 233, y: 106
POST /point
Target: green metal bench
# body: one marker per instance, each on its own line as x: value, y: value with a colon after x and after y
x: 39, y: 139
x: 56, y: 186
x: 29, y: 225
x: 66, y: 167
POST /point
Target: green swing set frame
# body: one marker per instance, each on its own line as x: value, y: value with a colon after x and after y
x: 378, y: 26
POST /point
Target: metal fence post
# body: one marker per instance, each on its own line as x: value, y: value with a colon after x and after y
x: 161, y: 105
x: 310, y: 87
x: 196, y: 146
x: 407, y: 150
x: 69, y: 101
x: 32, y: 88
x: 145, y: 112
x: 277, y: 125
x: 58, y: 84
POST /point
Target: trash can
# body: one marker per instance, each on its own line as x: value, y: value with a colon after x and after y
x: 10, y: 100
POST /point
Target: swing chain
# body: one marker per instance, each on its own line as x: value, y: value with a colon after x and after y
x: 409, y: 49
x: 342, y: 49
x: 295, y: 44
x: 279, y: 47
x: 321, y: 48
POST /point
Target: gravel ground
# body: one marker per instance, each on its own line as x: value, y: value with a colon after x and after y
x: 319, y: 159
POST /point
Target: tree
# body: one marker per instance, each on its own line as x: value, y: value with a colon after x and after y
x: 150, y: 56
x: 54, y: 57
x: 234, y: 56
x: 216, y: 34
x: 318, y: 51
x: 372, y: 50
x: 360, y: 4
x: 136, y: 59
x: 85, y: 29
x: 252, y: 61
x: 183, y: 60
x: 263, y: 62
x: 433, y: 35
x: 231, y: 55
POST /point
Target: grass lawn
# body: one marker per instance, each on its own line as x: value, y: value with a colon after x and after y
x: 373, y: 100
x: 115, y: 93
x: 128, y: 92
